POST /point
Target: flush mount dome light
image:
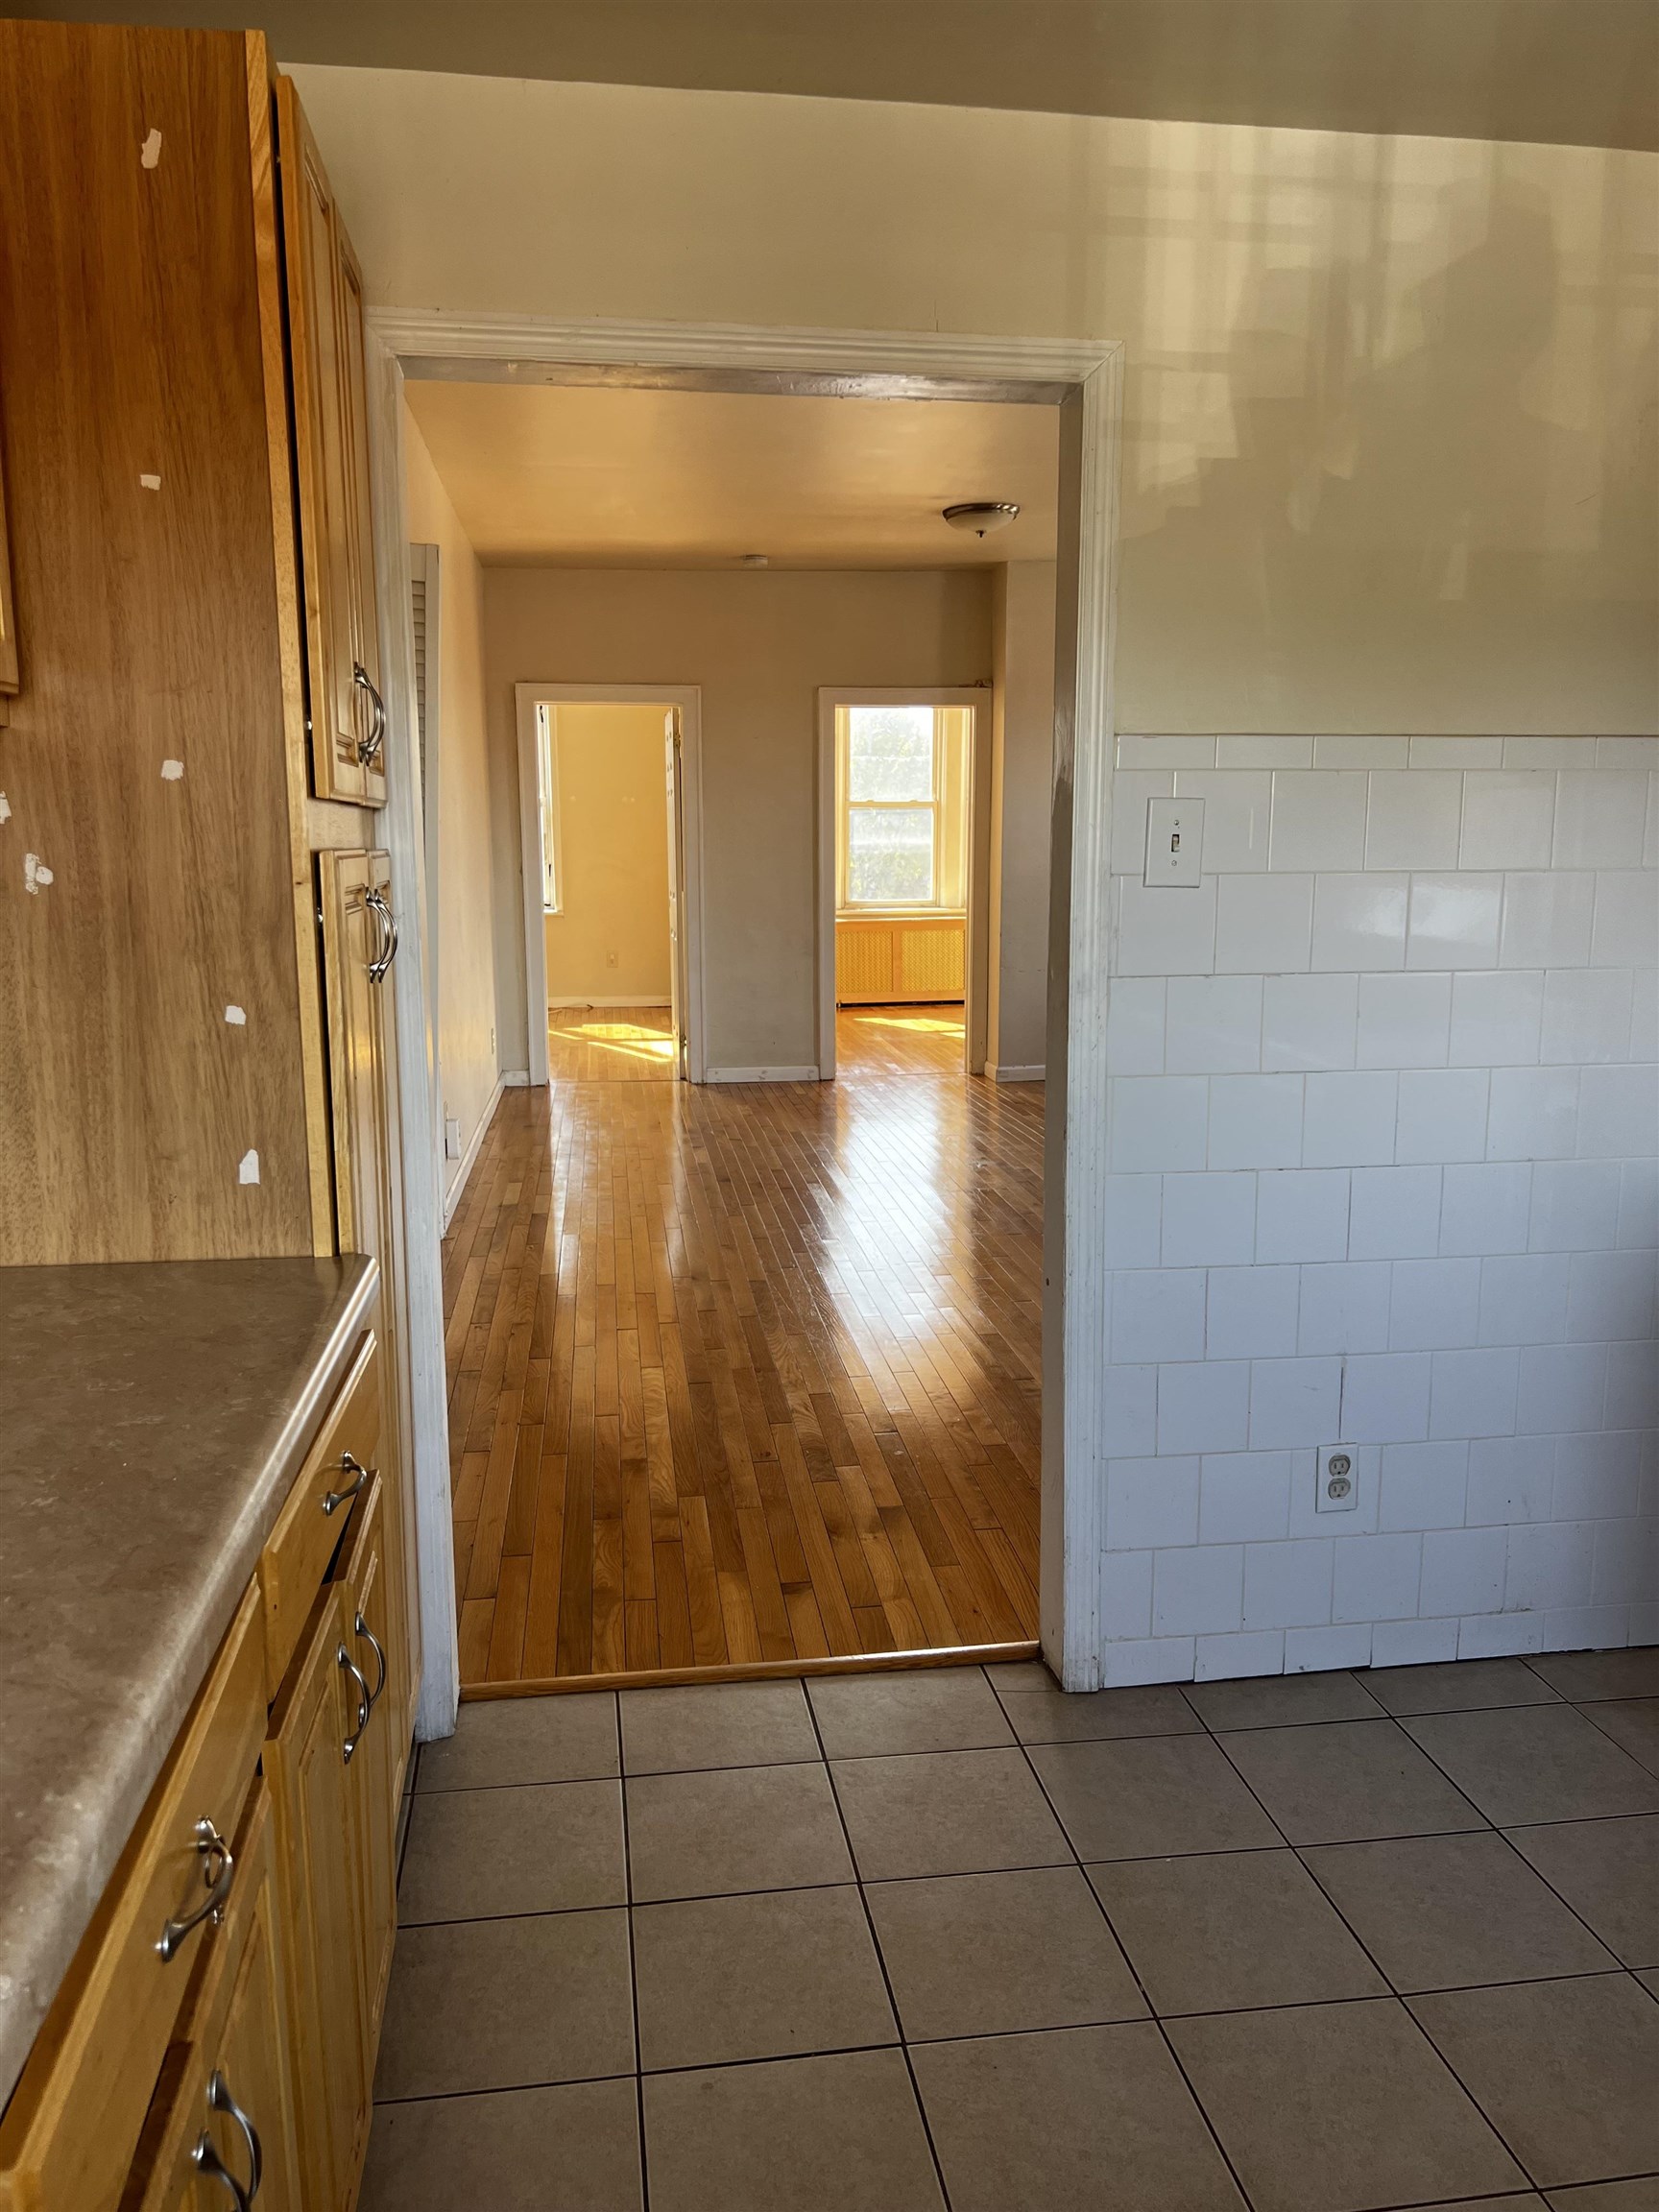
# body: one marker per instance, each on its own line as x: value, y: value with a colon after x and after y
x: 981, y: 515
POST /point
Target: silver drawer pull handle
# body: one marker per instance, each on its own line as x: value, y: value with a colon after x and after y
x: 206, y: 2160
x: 374, y: 1644
x: 364, y: 1702
x: 374, y: 898
x: 220, y: 2099
x: 368, y: 748
x: 360, y: 1476
x: 218, y: 1870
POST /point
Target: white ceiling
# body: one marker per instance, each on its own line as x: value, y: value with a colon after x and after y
x: 579, y: 477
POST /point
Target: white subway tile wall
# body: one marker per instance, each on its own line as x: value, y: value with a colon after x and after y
x: 1385, y: 1175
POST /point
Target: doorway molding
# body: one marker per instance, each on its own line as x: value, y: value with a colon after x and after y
x: 1084, y: 378
x: 687, y: 698
x: 977, y: 948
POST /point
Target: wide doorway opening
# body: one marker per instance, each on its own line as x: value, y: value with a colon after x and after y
x: 745, y: 1294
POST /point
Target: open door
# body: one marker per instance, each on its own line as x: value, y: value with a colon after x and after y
x: 674, y: 753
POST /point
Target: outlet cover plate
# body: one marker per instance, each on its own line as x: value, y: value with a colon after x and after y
x: 1339, y: 1479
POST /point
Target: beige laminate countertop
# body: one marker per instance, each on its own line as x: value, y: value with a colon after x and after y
x: 152, y: 1420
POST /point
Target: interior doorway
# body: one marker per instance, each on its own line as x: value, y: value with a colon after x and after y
x: 610, y: 819
x: 903, y: 878
x: 1083, y: 381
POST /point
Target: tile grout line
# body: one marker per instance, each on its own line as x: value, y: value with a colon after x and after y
x: 1398, y: 1997
x: 633, y: 1964
x: 1122, y: 1948
x: 1630, y: 1972
x: 1491, y: 1828
x: 880, y: 1956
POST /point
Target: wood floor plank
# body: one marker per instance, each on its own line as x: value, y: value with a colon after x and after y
x: 745, y: 1377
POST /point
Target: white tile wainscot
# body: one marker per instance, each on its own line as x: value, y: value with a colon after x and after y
x: 1384, y: 1118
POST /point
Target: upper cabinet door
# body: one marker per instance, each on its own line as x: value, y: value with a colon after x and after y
x: 348, y: 719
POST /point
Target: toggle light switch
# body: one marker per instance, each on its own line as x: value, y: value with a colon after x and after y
x: 1174, y: 842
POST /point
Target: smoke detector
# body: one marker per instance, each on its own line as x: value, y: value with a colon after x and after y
x: 981, y: 515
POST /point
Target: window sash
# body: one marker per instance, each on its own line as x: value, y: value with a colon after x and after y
x: 848, y: 806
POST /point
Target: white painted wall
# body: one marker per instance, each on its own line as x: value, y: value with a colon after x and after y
x: 759, y: 643
x: 1022, y: 784
x: 467, y: 1064
x: 1389, y: 433
x: 1384, y: 1125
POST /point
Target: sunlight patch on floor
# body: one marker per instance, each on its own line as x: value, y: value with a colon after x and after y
x: 628, y: 1038
x: 926, y: 1024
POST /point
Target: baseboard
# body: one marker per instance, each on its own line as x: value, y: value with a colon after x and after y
x: 760, y: 1076
x: 633, y: 998
x: 997, y: 1073
x: 464, y: 1167
x: 515, y: 1078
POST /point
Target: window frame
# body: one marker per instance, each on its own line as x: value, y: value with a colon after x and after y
x: 846, y: 805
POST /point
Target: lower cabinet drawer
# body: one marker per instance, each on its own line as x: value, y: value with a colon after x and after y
x: 221, y: 2125
x: 68, y: 2135
x: 338, y: 1467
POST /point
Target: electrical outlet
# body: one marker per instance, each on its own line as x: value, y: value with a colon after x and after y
x: 451, y: 1138
x: 1339, y: 1490
x: 610, y: 959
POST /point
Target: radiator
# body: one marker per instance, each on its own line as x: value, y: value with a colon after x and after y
x: 883, y: 960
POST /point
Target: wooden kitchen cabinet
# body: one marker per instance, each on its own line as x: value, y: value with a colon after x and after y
x: 375, y: 1780
x: 322, y: 1920
x: 359, y: 931
x: 348, y: 721
x: 223, y: 2115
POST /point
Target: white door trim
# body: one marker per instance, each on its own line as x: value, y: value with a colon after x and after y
x: 1084, y: 377
x: 688, y: 699
x: 976, y: 972
x: 402, y: 830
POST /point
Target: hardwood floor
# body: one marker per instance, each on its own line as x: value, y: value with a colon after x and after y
x: 611, y: 1044
x: 746, y: 1377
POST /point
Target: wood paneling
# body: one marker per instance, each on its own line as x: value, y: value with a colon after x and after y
x: 747, y: 1376
x: 147, y: 617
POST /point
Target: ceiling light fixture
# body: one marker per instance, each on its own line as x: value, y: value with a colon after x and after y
x: 981, y: 515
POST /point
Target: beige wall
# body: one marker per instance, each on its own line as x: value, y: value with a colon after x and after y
x: 759, y: 644
x: 1022, y: 777
x: 609, y: 942
x: 1389, y: 443
x: 468, y: 1061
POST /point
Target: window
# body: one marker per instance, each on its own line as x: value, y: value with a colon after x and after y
x: 901, y: 781
x: 547, y: 788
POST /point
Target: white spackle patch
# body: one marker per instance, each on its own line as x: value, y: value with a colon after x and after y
x: 235, y: 1017
x: 36, y: 872
x: 172, y: 771
x: 150, y: 483
x: 5, y: 808
x: 249, y: 1170
x: 150, y: 153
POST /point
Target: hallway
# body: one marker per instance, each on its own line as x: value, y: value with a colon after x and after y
x: 746, y: 1377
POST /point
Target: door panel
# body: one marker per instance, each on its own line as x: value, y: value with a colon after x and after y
x: 359, y: 945
x: 336, y: 529
x: 322, y: 1923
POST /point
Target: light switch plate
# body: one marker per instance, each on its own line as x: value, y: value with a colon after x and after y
x: 1174, y: 842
